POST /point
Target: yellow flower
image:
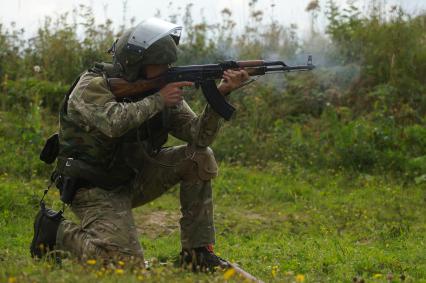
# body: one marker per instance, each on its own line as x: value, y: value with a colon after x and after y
x: 140, y: 277
x: 119, y: 271
x: 121, y: 263
x: 300, y: 278
x: 229, y: 273
x: 91, y: 261
x: 377, y: 276
x: 11, y: 280
x: 274, y: 270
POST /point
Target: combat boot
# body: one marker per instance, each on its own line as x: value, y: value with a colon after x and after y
x: 46, y: 225
x: 202, y: 259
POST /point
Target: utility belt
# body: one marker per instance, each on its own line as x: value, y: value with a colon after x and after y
x: 71, y: 175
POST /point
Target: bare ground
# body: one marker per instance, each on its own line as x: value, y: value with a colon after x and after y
x: 156, y: 223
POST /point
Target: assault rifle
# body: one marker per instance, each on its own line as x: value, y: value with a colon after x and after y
x: 204, y: 76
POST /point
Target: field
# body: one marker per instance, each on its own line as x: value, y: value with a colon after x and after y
x: 280, y: 226
x: 322, y: 173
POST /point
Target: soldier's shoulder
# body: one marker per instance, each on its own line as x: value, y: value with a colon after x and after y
x: 92, y: 88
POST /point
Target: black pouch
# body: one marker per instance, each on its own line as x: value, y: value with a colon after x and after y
x: 51, y: 149
x: 49, y: 213
x: 43, y: 243
x: 68, y: 189
x: 67, y: 186
x: 87, y: 175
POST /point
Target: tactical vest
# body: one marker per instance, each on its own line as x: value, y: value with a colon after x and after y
x: 107, y: 157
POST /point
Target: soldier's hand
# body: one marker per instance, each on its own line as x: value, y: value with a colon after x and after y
x: 231, y: 80
x: 172, y: 93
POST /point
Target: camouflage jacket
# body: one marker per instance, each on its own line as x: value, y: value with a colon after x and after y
x: 94, y: 123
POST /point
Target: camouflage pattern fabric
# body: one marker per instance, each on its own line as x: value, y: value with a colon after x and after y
x: 193, y: 169
x: 93, y: 128
x: 95, y: 122
x: 107, y: 228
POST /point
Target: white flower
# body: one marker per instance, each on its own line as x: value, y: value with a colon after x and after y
x: 37, y: 68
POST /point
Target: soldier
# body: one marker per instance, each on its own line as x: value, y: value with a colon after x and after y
x: 111, y: 154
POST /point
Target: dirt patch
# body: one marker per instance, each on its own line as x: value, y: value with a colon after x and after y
x: 157, y: 223
x: 268, y: 218
x: 154, y: 224
x: 254, y: 216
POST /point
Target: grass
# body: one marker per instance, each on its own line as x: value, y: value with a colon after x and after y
x: 279, y: 226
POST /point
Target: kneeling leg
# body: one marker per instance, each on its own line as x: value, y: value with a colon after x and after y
x: 107, y: 228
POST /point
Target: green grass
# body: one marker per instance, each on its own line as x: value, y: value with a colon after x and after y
x: 326, y: 226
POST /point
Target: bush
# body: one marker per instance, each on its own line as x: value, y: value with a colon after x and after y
x: 363, y: 108
x: 28, y: 93
x: 22, y: 136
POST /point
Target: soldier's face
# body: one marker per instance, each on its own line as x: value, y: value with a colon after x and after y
x: 152, y: 71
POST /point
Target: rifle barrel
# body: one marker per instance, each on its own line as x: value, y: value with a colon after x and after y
x: 289, y: 69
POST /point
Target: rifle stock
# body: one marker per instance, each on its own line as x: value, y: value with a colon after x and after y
x: 122, y: 88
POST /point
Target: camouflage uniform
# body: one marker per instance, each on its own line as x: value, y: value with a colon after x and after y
x: 95, y: 129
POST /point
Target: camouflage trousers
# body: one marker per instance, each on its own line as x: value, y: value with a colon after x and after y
x: 107, y: 227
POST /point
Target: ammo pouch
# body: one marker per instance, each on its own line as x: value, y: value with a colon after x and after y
x: 72, y: 174
x: 51, y: 149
